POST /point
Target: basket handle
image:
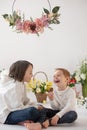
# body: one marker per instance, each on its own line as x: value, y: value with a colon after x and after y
x: 42, y: 73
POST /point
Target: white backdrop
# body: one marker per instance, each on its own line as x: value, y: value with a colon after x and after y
x: 64, y: 47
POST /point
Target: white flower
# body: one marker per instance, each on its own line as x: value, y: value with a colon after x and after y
x: 45, y: 87
x: 4, y: 76
x: 4, y: 71
x: 81, y: 73
x: 85, y: 62
x: 83, y: 76
x: 77, y: 77
x: 38, y: 90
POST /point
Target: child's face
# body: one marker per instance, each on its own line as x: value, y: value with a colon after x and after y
x: 28, y: 74
x: 59, y: 79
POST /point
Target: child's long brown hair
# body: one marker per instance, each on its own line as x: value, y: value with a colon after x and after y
x: 18, y: 69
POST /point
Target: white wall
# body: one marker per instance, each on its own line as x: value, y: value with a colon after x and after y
x: 65, y: 46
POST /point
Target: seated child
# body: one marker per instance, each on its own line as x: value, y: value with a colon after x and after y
x: 63, y: 98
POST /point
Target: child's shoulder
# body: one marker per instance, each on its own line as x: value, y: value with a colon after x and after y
x: 71, y: 90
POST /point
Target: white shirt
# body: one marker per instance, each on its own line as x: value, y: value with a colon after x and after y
x: 64, y: 101
x: 12, y: 97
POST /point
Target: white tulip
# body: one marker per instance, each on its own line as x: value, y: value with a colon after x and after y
x: 85, y: 62
x: 77, y: 77
x: 83, y: 76
x: 45, y: 87
x: 38, y: 90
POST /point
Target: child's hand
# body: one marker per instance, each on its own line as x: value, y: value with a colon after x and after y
x: 40, y: 107
x: 50, y: 95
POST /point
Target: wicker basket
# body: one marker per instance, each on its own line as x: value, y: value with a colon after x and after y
x: 41, y: 96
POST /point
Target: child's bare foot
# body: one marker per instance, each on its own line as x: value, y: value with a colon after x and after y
x: 23, y: 123
x: 45, y: 124
x: 33, y: 126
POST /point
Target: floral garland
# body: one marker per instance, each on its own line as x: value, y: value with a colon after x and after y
x: 17, y: 21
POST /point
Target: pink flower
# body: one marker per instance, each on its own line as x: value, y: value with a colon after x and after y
x: 29, y: 27
x: 26, y: 26
x: 45, y: 20
x: 33, y: 27
x: 18, y: 25
x: 40, y: 26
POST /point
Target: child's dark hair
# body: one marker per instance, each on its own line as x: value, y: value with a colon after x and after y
x: 65, y: 72
x: 18, y: 69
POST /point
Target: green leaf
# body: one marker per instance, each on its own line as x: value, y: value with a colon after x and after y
x: 56, y: 21
x: 5, y: 16
x: 15, y: 15
x: 31, y: 19
x: 46, y: 11
x: 71, y: 85
x: 50, y: 28
x: 11, y: 23
x: 55, y: 9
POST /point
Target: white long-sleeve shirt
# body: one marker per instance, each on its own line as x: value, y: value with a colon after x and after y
x: 12, y: 97
x: 64, y: 101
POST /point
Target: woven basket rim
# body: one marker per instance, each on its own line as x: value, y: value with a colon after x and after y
x: 42, y: 73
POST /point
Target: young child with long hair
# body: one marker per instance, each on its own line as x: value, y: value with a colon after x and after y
x: 15, y: 106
